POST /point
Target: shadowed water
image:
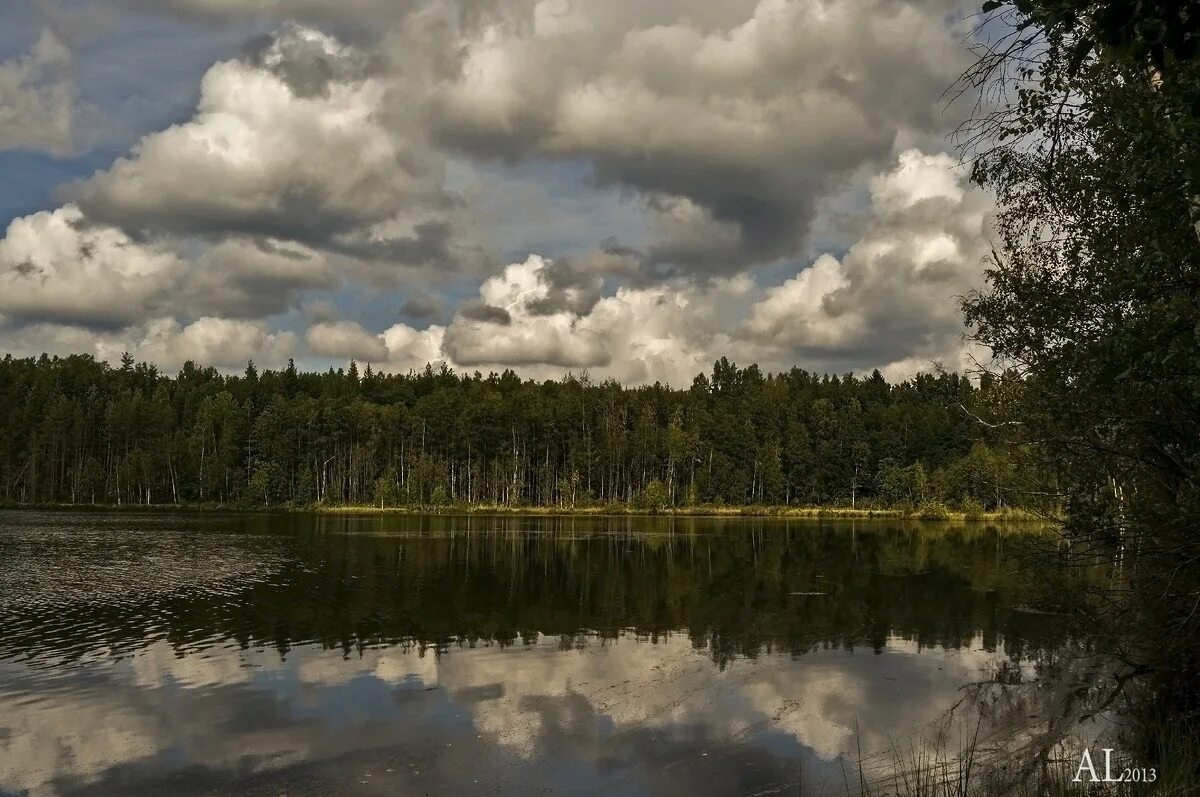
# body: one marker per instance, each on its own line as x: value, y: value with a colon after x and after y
x: 203, y: 654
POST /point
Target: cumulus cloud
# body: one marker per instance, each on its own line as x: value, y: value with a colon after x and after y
x: 214, y: 341
x: 890, y: 302
x: 345, y: 339
x: 220, y: 342
x: 60, y: 267
x: 56, y: 266
x: 422, y: 306
x: 410, y: 348
x: 729, y: 122
x: 37, y: 97
x: 285, y: 181
x: 399, y: 348
x: 315, y: 165
x: 501, y: 328
x: 254, y: 277
x: 291, y: 144
x: 480, y: 311
x: 731, y: 131
x: 893, y: 297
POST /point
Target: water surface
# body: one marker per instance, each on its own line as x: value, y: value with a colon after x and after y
x: 284, y: 654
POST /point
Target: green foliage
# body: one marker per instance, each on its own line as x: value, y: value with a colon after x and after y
x: 1092, y: 304
x: 387, y: 492
x: 933, y: 510
x: 653, y: 498
x: 907, y: 486
x: 971, y: 508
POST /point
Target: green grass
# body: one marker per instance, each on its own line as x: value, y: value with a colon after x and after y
x: 929, y: 511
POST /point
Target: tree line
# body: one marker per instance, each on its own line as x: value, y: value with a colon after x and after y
x: 79, y: 431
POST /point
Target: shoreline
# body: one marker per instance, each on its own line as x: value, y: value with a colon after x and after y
x: 926, y: 514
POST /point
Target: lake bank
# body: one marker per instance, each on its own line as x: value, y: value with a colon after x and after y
x: 934, y: 512
x: 796, y: 512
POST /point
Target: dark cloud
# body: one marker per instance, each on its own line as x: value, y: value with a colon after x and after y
x: 26, y: 268
x: 304, y: 61
x: 422, y: 306
x: 732, y: 133
x: 570, y: 288
x: 478, y: 310
x: 433, y: 243
x: 321, y: 310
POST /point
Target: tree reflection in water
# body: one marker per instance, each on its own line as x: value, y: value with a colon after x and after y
x: 623, y: 654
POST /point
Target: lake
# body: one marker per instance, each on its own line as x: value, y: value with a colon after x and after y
x: 164, y: 654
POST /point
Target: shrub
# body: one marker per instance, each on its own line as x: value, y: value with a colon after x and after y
x: 972, y: 508
x: 653, y: 499
x: 933, y: 510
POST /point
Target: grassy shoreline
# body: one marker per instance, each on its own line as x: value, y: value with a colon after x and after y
x: 795, y: 512
x: 927, y: 513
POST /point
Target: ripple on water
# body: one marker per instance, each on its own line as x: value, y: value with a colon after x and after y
x: 58, y: 569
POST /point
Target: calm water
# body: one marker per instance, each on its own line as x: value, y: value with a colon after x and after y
x: 200, y: 654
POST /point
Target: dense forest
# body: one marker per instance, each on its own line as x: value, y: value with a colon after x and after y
x: 79, y: 431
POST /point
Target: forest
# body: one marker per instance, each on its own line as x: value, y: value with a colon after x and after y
x: 79, y: 431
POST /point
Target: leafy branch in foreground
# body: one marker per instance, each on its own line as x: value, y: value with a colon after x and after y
x: 1088, y: 131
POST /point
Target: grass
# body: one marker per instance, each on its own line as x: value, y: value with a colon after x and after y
x: 930, y: 511
x: 1171, y: 748
x: 927, y: 511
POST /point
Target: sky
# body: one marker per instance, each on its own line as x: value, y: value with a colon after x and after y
x: 625, y: 188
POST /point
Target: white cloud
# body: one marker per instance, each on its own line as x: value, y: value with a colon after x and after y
x: 890, y: 302
x: 556, y: 339
x: 295, y: 144
x: 664, y: 332
x: 56, y: 266
x: 313, y: 165
x: 59, y: 267
x: 287, y: 180
x: 221, y: 342
x: 37, y: 97
x: 892, y: 299
x: 410, y: 348
x: 399, y: 348
x: 262, y: 155
x: 345, y: 339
